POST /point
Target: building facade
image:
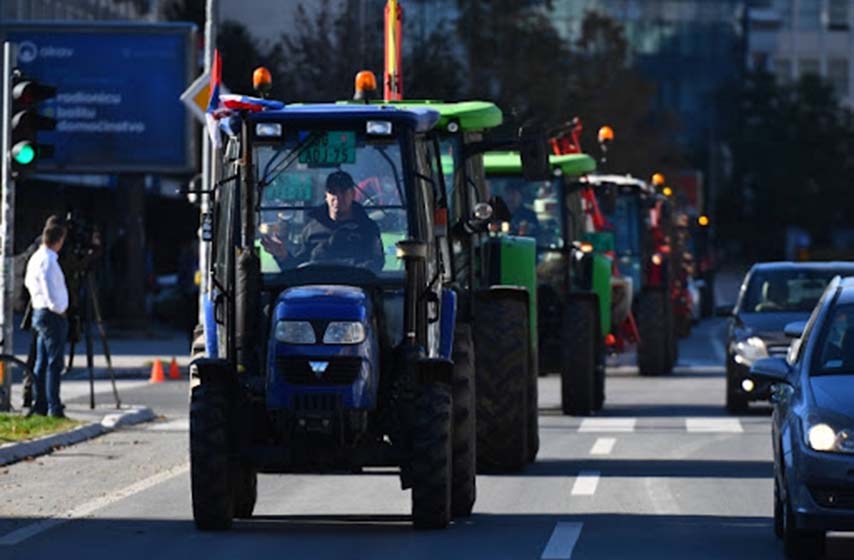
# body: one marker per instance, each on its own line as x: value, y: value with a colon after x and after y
x: 793, y: 38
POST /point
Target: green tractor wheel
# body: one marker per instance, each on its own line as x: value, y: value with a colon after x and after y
x: 578, y: 371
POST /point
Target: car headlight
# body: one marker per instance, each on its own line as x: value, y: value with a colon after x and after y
x: 344, y: 332
x: 295, y: 332
x: 750, y: 350
x: 820, y: 436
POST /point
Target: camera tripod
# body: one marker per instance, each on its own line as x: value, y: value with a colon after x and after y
x: 88, y: 307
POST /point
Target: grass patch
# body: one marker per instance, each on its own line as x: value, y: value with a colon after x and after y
x: 14, y: 427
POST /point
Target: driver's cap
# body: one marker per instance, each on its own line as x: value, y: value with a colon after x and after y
x: 339, y: 181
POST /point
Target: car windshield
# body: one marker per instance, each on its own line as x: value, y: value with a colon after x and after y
x: 785, y: 290
x: 534, y: 208
x: 836, y: 350
x: 331, y: 198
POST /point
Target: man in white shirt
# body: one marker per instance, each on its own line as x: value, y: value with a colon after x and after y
x: 46, y: 283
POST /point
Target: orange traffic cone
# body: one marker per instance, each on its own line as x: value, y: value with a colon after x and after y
x: 156, y: 373
x: 174, y: 371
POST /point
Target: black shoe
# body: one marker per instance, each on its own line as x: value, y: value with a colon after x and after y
x: 59, y: 414
x: 34, y: 412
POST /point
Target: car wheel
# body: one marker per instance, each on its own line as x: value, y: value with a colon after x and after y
x: 798, y: 543
x: 779, y: 524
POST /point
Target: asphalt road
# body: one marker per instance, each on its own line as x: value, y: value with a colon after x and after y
x: 662, y: 473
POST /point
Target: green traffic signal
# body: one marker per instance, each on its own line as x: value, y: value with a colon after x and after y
x: 23, y: 153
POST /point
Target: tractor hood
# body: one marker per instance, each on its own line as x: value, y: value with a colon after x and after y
x: 343, y: 303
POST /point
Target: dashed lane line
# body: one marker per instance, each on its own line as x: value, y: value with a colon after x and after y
x: 608, y: 425
x: 603, y: 446
x: 585, y: 483
x: 714, y: 425
x: 28, y: 531
x: 562, y: 542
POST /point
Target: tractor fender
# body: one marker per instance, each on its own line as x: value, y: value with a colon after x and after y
x: 212, y: 371
x: 211, y: 341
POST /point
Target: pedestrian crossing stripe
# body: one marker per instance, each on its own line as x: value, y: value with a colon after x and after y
x: 696, y: 425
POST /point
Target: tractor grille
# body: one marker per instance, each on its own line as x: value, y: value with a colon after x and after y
x: 314, y: 403
x: 341, y: 370
x: 835, y: 498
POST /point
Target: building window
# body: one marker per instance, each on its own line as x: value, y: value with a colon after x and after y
x: 837, y: 73
x: 837, y: 14
x: 783, y: 70
x: 808, y: 66
x: 809, y: 14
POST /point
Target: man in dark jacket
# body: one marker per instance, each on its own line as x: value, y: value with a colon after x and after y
x: 338, y: 231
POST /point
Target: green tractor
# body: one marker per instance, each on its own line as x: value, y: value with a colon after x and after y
x: 572, y: 270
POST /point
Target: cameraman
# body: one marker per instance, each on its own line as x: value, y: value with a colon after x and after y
x: 45, y: 282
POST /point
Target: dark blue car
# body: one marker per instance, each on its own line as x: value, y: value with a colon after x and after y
x: 813, y: 424
x: 772, y: 295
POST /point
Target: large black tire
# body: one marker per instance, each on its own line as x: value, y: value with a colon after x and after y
x: 197, y: 348
x: 599, y: 392
x: 798, y: 543
x: 736, y: 402
x: 656, y: 349
x: 244, y: 482
x: 464, y: 491
x: 578, y: 371
x: 533, y: 407
x: 502, y: 348
x: 432, y: 451
x: 210, y: 468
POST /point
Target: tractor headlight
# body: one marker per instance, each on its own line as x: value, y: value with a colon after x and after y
x: 750, y: 350
x: 344, y: 332
x: 295, y: 332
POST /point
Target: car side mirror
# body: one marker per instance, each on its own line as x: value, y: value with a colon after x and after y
x: 724, y: 311
x: 795, y: 329
x: 771, y: 370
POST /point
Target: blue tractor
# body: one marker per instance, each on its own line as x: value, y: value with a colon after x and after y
x: 329, y: 331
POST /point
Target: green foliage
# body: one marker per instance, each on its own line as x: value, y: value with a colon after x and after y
x: 14, y: 427
x: 793, y: 165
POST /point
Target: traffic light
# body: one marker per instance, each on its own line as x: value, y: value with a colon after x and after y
x: 27, y: 94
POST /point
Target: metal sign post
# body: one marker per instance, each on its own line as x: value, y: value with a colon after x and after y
x: 7, y: 230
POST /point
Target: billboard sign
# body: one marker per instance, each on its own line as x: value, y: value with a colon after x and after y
x: 118, y: 106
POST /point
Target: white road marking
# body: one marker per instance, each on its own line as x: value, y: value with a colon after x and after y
x: 173, y: 425
x: 585, y: 483
x: 562, y: 541
x: 20, y: 535
x: 603, y: 446
x: 714, y: 425
x: 608, y: 425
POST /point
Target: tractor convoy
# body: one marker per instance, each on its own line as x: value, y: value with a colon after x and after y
x: 389, y: 278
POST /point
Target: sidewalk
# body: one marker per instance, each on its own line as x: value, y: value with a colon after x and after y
x: 132, y: 352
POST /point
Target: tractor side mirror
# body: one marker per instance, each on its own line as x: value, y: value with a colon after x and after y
x: 534, y: 152
x: 500, y: 210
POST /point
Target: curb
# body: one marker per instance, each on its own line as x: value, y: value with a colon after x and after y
x: 14, y: 452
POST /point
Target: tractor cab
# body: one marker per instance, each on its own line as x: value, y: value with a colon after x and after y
x: 573, y: 271
x: 332, y: 328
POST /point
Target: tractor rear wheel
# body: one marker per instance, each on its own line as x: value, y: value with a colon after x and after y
x: 502, y: 347
x: 432, y: 451
x: 210, y: 468
x: 578, y: 371
x: 656, y: 348
x: 533, y: 407
x: 464, y: 490
x: 244, y: 482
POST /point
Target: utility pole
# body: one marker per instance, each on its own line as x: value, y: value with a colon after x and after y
x: 208, y: 180
x: 7, y: 234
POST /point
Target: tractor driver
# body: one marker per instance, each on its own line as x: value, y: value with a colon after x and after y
x: 524, y: 220
x: 339, y: 230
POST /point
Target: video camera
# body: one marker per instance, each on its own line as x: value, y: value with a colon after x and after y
x: 83, y: 245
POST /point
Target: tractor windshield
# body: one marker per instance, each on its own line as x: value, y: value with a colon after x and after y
x: 626, y: 222
x: 534, y: 208
x: 330, y: 198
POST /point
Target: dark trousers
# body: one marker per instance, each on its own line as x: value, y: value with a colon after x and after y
x: 51, y: 331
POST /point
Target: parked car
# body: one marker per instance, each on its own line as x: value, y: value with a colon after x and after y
x: 813, y: 424
x: 772, y: 295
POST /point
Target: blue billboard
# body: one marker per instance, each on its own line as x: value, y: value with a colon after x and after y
x: 118, y: 86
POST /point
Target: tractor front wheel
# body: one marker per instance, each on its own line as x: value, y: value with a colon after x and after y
x: 578, y: 371
x: 464, y: 490
x: 432, y: 452
x: 210, y: 469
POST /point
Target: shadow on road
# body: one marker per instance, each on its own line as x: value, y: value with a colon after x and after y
x: 484, y: 535
x: 664, y: 411
x: 651, y: 468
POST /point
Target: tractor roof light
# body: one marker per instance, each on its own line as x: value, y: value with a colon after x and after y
x: 365, y: 86
x: 667, y: 191
x: 606, y: 134
x: 657, y: 179
x: 703, y: 220
x: 262, y: 80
